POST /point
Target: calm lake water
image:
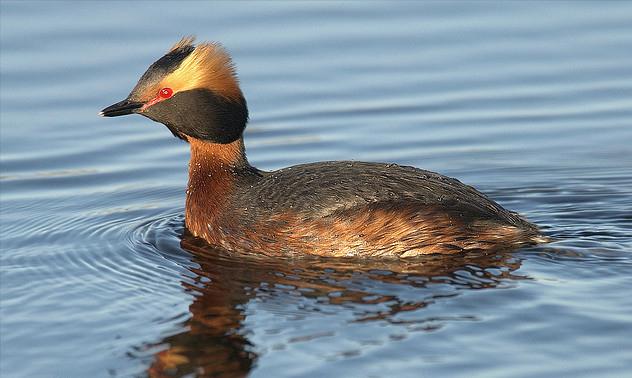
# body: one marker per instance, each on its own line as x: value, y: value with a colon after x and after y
x: 529, y: 102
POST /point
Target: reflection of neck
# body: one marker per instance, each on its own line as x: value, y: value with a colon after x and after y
x: 210, y: 343
x: 213, y: 169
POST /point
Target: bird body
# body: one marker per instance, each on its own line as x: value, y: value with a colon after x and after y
x: 342, y: 208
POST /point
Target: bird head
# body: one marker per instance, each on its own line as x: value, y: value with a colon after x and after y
x: 193, y: 90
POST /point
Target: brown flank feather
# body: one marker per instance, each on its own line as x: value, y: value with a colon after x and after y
x: 378, y: 230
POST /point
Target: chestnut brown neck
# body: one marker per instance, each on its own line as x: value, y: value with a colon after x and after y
x: 213, y: 170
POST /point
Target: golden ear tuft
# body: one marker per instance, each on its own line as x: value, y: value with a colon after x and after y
x: 185, y: 41
x: 209, y: 66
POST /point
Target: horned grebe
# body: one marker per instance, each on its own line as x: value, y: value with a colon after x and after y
x: 341, y: 208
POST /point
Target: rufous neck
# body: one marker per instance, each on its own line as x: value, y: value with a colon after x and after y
x: 209, y: 155
x: 213, y: 170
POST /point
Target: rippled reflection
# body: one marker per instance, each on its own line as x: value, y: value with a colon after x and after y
x: 216, y: 341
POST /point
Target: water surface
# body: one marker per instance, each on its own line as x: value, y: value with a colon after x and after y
x: 529, y: 102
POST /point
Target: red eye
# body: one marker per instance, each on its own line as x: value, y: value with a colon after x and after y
x: 165, y: 92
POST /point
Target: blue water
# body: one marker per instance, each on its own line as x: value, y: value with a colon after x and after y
x: 530, y: 102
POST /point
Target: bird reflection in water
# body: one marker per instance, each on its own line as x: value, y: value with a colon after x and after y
x: 216, y: 343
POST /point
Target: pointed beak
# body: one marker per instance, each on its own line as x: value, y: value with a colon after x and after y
x: 124, y: 107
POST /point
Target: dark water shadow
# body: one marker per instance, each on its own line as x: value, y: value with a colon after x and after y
x: 215, y: 342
